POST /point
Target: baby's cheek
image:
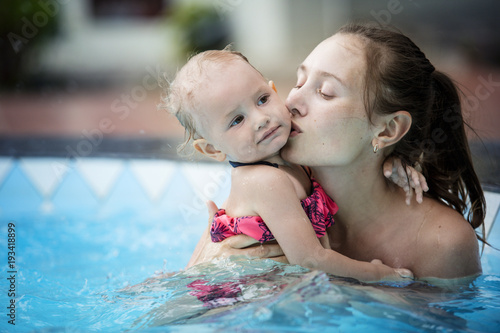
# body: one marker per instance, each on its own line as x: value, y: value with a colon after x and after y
x: 245, y: 152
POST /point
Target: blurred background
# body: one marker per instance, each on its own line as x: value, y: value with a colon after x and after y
x: 82, y: 78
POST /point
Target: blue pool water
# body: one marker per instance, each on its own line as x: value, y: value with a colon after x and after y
x: 93, y: 236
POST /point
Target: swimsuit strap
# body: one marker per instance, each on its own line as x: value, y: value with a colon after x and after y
x: 307, y: 170
x: 238, y: 164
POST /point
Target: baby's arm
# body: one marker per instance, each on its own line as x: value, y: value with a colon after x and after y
x: 273, y: 197
x: 325, y: 242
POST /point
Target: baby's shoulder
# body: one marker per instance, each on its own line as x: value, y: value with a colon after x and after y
x: 259, y: 174
x: 261, y: 181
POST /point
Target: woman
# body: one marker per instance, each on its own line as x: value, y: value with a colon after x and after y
x: 363, y: 95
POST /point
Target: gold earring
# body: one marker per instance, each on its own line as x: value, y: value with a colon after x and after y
x: 375, y: 148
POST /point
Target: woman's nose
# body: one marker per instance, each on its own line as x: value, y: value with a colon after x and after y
x: 294, y: 103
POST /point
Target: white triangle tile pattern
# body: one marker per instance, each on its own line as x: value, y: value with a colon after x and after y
x: 43, y: 173
x: 100, y: 174
x: 154, y: 176
x: 207, y: 180
x: 5, y: 166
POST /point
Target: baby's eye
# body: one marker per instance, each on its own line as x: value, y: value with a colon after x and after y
x: 236, y: 121
x: 263, y: 100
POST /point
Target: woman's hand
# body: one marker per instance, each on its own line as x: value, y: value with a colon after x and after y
x: 393, y: 170
x: 241, y: 245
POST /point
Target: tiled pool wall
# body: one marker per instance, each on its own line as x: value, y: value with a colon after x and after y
x: 168, y: 193
x: 107, y: 186
x: 104, y: 186
x: 145, y: 178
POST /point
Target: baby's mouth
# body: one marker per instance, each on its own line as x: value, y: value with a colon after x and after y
x: 269, y: 133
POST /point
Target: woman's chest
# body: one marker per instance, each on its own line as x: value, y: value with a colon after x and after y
x: 394, y: 248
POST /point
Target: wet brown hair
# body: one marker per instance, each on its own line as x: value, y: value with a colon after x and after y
x: 400, y: 77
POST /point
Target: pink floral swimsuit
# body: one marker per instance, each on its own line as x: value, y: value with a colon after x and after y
x: 319, y: 207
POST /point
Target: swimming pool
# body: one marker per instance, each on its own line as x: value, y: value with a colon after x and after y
x: 88, y: 232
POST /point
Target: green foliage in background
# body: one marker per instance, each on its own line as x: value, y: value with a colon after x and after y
x: 24, y: 27
x: 199, y: 27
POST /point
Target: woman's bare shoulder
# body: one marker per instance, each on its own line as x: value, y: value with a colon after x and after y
x: 448, y: 244
x: 448, y: 226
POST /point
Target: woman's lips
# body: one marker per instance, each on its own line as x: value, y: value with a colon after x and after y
x: 295, y: 130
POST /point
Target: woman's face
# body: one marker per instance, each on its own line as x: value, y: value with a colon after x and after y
x: 330, y: 124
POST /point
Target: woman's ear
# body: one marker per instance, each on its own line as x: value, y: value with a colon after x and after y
x: 208, y: 149
x: 396, y: 125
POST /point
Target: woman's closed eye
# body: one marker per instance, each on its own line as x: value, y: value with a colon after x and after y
x: 236, y: 120
x: 299, y: 84
x: 325, y: 95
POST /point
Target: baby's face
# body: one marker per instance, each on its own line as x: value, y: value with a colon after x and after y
x: 240, y: 114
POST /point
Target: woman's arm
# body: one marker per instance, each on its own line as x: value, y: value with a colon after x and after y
x: 207, y: 250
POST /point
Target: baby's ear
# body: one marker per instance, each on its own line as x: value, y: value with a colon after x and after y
x: 271, y: 84
x: 207, y: 149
